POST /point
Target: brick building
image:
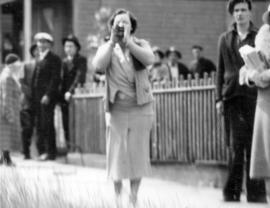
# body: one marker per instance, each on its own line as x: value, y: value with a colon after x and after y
x: 181, y: 23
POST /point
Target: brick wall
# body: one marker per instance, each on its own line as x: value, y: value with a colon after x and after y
x: 83, y: 19
x: 181, y: 23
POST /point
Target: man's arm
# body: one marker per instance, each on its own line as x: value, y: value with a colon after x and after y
x: 220, y: 69
x: 80, y: 74
x: 220, y: 75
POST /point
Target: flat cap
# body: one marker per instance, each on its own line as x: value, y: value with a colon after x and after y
x: 43, y: 36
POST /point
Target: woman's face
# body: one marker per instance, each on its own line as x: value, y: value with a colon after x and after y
x: 70, y: 48
x: 43, y: 45
x: 122, y: 20
x: 16, y: 69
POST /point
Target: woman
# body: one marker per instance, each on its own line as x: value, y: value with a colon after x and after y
x: 124, y: 59
x: 10, y: 130
x: 260, y: 154
x: 159, y: 71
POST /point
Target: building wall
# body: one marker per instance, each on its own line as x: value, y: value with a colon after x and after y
x: 84, y: 20
x: 179, y: 23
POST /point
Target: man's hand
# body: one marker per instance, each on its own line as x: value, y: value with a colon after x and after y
x: 45, y: 100
x: 67, y: 96
x: 220, y: 107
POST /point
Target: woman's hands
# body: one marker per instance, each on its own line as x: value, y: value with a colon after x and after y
x: 120, y: 33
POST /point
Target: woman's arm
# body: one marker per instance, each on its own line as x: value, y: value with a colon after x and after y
x: 141, y: 50
x: 103, y: 57
x: 261, y: 79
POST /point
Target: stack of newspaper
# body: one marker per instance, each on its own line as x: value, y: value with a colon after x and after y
x: 251, y: 58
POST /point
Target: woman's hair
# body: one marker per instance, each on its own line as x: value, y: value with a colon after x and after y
x: 231, y: 4
x: 132, y: 18
x: 11, y: 58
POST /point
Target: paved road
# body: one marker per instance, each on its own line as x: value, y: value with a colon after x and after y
x: 89, y: 187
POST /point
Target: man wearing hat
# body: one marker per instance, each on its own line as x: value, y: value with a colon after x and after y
x: 176, y: 67
x: 159, y: 71
x: 27, y: 111
x: 200, y: 65
x: 46, y: 81
x: 74, y: 68
x: 237, y: 103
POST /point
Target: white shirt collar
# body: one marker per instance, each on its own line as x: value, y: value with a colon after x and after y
x: 43, y: 54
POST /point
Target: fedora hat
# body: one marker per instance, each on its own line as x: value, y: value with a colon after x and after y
x: 173, y: 50
x: 11, y: 58
x: 43, y: 36
x: 197, y: 47
x: 73, y: 39
x: 266, y: 16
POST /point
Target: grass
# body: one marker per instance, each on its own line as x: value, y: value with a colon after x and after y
x: 46, y: 187
x: 33, y: 188
x: 20, y: 190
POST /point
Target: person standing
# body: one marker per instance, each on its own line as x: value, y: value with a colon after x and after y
x: 73, y: 73
x: 260, y: 77
x: 27, y: 111
x: 237, y: 103
x: 159, y: 71
x: 45, y: 85
x: 10, y: 128
x: 200, y: 64
x: 177, y: 68
x: 129, y: 102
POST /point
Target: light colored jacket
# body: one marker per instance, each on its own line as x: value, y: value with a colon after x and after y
x: 142, y: 83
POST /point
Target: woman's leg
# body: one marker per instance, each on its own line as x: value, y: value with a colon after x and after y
x: 134, y: 188
x: 118, y: 189
x: 7, y: 159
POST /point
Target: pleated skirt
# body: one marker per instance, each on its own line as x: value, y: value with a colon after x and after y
x: 260, y: 151
x: 128, y: 135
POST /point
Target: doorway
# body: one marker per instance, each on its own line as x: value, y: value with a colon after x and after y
x: 12, y: 29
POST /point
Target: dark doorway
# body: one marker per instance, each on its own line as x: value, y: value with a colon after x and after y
x: 54, y: 17
x: 12, y: 28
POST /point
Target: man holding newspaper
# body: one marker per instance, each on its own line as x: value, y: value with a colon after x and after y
x: 237, y: 103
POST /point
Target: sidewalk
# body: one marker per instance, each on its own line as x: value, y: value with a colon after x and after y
x: 158, y: 191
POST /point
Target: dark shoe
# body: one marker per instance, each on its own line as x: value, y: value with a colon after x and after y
x: 62, y: 152
x: 27, y: 157
x: 257, y: 199
x: 1, y: 160
x: 6, y: 159
x: 51, y: 157
x: 231, y: 198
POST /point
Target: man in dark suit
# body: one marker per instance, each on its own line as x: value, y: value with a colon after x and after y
x: 45, y: 84
x: 73, y: 73
x: 177, y: 68
x: 237, y: 103
x: 200, y: 65
x: 27, y: 111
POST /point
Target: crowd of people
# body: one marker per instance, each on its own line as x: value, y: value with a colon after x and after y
x: 129, y: 65
x: 168, y: 65
x: 30, y: 91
